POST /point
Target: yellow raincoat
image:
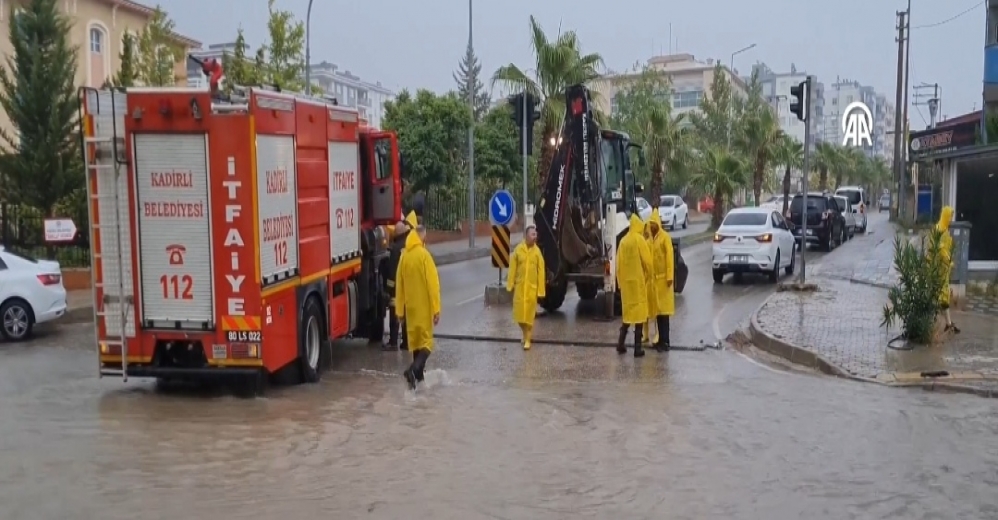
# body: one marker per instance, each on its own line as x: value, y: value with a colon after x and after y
x: 634, y: 266
x: 652, y: 293
x: 663, y: 265
x: 526, y: 282
x: 945, y: 252
x: 417, y: 293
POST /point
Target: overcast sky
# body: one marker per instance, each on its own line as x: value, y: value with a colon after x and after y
x: 417, y: 44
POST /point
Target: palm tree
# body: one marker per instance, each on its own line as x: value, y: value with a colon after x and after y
x: 789, y: 153
x: 827, y: 158
x: 758, y: 138
x: 559, y: 64
x: 719, y: 172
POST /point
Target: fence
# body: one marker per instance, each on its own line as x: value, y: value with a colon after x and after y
x: 22, y: 229
x: 445, y: 210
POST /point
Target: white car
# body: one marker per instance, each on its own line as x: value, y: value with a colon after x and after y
x: 845, y: 208
x: 673, y: 211
x: 644, y: 209
x: 753, y: 240
x: 31, y: 292
x: 774, y: 203
x: 860, y: 203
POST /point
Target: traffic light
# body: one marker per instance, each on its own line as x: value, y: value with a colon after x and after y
x: 532, y: 109
x: 801, y: 104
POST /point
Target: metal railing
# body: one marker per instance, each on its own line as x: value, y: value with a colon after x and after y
x: 22, y: 230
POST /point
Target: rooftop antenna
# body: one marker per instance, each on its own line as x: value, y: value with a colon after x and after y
x: 670, y: 37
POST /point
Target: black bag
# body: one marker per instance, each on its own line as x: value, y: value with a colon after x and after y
x: 682, y: 271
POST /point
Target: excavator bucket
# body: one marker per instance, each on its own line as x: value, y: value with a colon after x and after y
x: 682, y: 270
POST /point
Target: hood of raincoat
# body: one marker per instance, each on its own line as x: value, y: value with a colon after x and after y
x: 636, y: 225
x: 412, y: 220
x: 412, y: 241
x: 655, y: 221
x: 945, y: 217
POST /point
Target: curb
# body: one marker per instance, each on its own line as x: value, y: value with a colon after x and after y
x: 804, y: 357
x: 860, y: 281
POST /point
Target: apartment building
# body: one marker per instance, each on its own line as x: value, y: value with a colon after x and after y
x: 776, y: 89
x: 839, y: 95
x: 690, y: 81
x: 350, y: 90
x: 99, y: 27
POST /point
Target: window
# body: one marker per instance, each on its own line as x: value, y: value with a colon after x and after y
x: 687, y: 99
x: 666, y: 201
x: 842, y: 203
x: 96, y: 40
x: 383, y: 158
x: 855, y: 196
x: 814, y: 203
x: 642, y: 204
x: 745, y: 219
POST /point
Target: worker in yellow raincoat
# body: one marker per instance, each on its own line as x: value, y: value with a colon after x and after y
x: 945, y: 252
x: 652, y: 298
x: 526, y: 282
x: 664, y: 269
x: 417, y: 301
x: 397, y: 236
x: 634, y: 272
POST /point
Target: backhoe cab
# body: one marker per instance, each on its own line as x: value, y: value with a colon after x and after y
x: 585, y: 205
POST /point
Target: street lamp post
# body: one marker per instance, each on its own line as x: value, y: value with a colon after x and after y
x: 731, y: 106
x: 308, y: 49
x: 471, y: 141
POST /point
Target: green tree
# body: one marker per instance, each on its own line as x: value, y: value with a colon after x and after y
x: 827, y: 158
x: 127, y: 72
x: 159, y: 51
x: 789, y: 154
x: 239, y: 68
x: 498, y: 149
x: 432, y: 132
x: 558, y: 65
x: 644, y: 111
x: 713, y: 122
x: 285, y: 54
x: 469, y: 72
x: 41, y: 160
x: 720, y: 173
x: 758, y: 138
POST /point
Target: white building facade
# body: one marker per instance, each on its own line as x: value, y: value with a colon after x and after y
x: 776, y: 89
x: 839, y: 95
x: 349, y: 90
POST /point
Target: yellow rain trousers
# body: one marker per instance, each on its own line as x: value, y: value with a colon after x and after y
x: 526, y: 282
x: 945, y: 252
x: 652, y: 224
x: 634, y: 266
x: 417, y: 293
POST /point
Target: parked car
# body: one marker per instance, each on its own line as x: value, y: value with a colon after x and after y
x: 826, y: 227
x: 644, y: 209
x: 775, y: 203
x: 673, y: 211
x: 706, y: 205
x: 884, y: 203
x: 31, y: 292
x: 846, y: 209
x: 753, y: 240
x: 857, y: 197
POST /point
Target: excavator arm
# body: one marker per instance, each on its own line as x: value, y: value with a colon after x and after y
x: 570, y: 209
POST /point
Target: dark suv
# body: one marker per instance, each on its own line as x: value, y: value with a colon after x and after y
x: 826, y: 227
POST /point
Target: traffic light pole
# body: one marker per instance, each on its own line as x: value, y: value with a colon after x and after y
x: 806, y: 173
x: 523, y: 133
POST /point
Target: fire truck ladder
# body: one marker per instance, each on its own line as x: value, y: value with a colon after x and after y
x: 97, y: 144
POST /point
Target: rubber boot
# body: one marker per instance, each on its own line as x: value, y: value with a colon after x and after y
x: 646, y: 337
x: 663, y: 334
x: 638, y: 332
x: 658, y: 331
x: 528, y: 333
x: 523, y: 336
x: 621, y: 349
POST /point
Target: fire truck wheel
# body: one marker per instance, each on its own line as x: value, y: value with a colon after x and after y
x: 587, y: 291
x: 313, y: 350
x: 555, y: 296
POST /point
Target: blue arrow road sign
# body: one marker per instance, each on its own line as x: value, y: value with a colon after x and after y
x: 502, y: 208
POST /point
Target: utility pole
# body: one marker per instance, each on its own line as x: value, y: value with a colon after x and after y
x: 308, y: 49
x: 803, y: 108
x: 471, y: 141
x: 907, y: 122
x: 527, y: 120
x: 899, y: 114
x: 930, y: 100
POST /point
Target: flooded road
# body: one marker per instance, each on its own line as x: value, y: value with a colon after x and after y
x: 557, y: 432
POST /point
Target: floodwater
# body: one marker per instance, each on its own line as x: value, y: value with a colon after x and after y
x: 556, y: 432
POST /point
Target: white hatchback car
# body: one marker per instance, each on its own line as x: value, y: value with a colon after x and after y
x: 644, y: 209
x: 753, y: 240
x: 857, y: 198
x: 31, y: 292
x: 673, y: 211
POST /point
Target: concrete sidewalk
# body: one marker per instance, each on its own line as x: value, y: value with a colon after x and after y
x: 81, y: 308
x: 836, y: 330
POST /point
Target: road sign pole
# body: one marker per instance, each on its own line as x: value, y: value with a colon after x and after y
x: 526, y: 118
x: 807, y: 171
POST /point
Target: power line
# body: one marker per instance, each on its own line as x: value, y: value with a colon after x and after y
x: 950, y: 19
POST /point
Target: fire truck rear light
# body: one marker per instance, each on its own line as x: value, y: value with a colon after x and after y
x: 244, y: 350
x: 49, y: 279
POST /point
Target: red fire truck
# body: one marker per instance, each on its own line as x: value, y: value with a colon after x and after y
x: 234, y: 236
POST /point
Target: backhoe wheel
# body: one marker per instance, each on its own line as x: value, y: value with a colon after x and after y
x: 555, y: 296
x: 587, y: 291
x: 314, y: 350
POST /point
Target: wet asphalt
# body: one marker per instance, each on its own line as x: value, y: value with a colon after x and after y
x: 557, y: 432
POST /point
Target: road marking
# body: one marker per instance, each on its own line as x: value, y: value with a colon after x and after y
x: 469, y: 300
x: 760, y: 364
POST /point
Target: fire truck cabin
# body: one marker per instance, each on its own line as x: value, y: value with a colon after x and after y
x: 234, y: 238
